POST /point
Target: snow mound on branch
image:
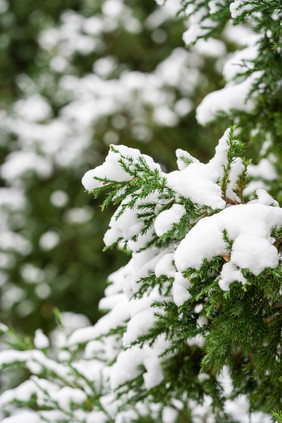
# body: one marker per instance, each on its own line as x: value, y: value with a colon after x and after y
x: 23, y: 416
x: 248, y: 226
x: 168, y: 218
x: 112, y: 169
x: 128, y: 363
x: 228, y: 98
x: 198, y: 181
x: 235, y: 94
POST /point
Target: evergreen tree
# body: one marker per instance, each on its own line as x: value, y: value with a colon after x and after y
x: 192, y: 331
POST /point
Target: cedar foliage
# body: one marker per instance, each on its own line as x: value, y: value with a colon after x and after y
x: 201, y: 321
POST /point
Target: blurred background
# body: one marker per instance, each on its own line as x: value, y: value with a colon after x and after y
x: 77, y: 76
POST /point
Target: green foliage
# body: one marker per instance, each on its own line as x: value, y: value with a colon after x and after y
x: 277, y: 416
x: 26, y: 70
x: 243, y: 329
x: 214, y: 329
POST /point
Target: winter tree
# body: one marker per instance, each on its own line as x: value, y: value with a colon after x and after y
x: 192, y: 324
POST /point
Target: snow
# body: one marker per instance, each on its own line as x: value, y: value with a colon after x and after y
x: 234, y: 94
x: 195, y: 29
x: 66, y: 396
x: 238, y: 7
x: 183, y: 107
x: 180, y: 289
x: 197, y: 340
x: 237, y: 169
x: 248, y: 226
x: 184, y: 158
x: 210, y: 48
x: 242, y: 35
x: 33, y: 357
x: 225, y: 100
x: 264, y: 169
x: 240, y: 61
x: 229, y: 274
x: 16, y: 242
x: 165, y: 266
x: 23, y: 417
x: 128, y: 363
x: 78, y: 215
x: 198, y: 181
x: 22, y: 393
x: 94, y: 96
x: 59, y: 198
x: 40, y: 340
x: 21, y: 162
x: 139, y: 325
x: 111, y: 169
x: 166, y: 219
x: 169, y: 415
x: 72, y: 321
x: 195, y: 183
x: 3, y: 328
x: 49, y: 240
x: 96, y: 417
x: 264, y: 198
x: 125, y: 227
x: 12, y: 198
x: 241, y: 403
x: 114, y: 318
x: 34, y: 109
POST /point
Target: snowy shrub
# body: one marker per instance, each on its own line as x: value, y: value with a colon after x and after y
x: 191, y: 329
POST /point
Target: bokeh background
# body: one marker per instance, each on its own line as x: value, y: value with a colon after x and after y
x: 77, y: 76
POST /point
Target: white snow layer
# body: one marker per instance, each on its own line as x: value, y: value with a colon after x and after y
x: 111, y: 169
x: 165, y: 220
x: 40, y: 340
x: 229, y: 98
x: 196, y: 181
x: 248, y: 226
x: 234, y: 94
